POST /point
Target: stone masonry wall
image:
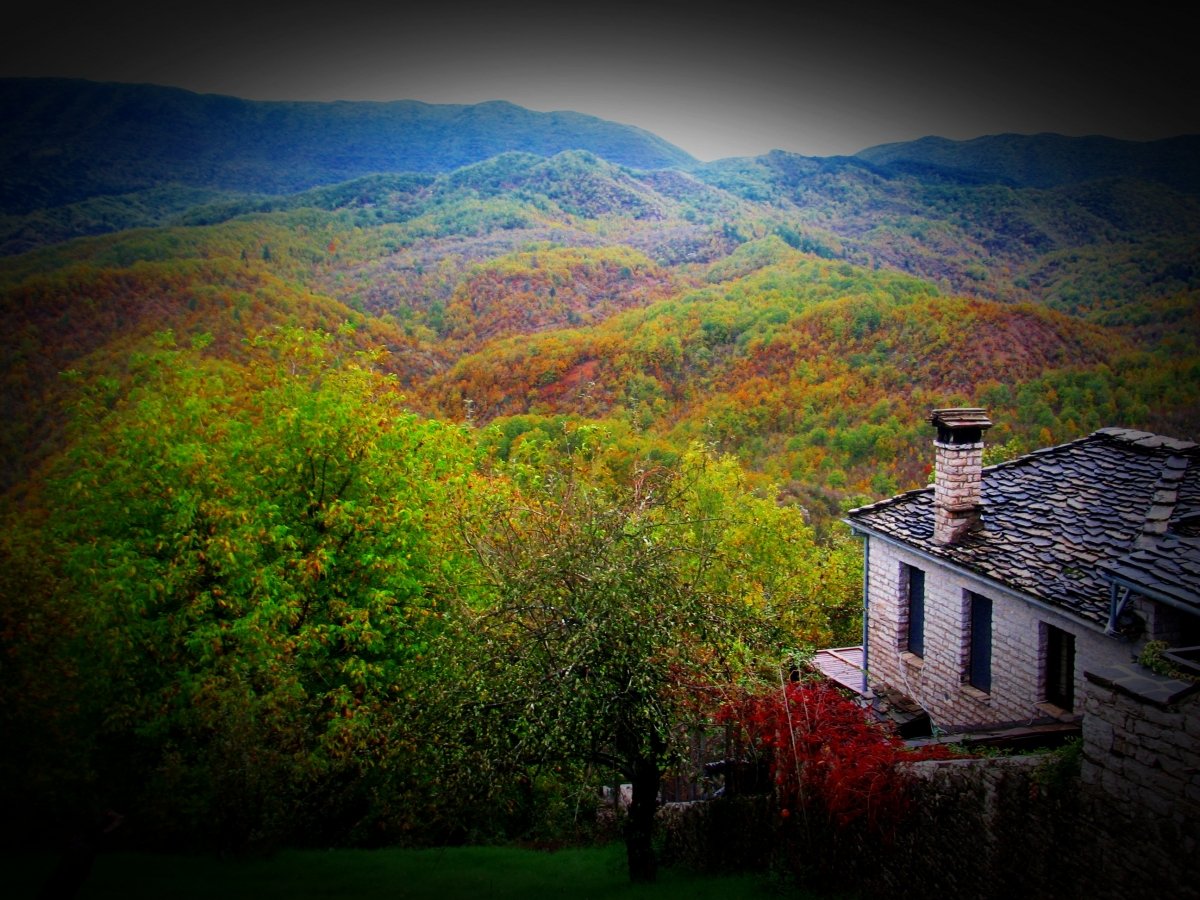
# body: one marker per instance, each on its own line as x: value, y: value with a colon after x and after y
x: 1126, y: 826
x: 937, y: 681
x: 1142, y: 748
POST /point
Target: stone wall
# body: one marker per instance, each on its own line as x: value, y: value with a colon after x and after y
x: 1125, y: 825
x: 979, y: 829
x: 1128, y: 825
x: 1142, y: 749
x: 976, y: 830
x: 728, y: 834
x: 937, y: 681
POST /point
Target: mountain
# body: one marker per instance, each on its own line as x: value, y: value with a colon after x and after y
x: 69, y: 141
x: 1044, y: 160
x: 801, y: 313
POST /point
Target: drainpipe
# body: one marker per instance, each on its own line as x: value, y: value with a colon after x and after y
x: 866, y: 616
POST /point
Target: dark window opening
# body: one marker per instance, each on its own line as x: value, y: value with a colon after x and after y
x: 1060, y: 668
x: 916, y: 611
x: 979, y: 659
x: 1189, y: 630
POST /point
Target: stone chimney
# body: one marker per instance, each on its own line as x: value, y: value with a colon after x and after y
x: 958, y: 472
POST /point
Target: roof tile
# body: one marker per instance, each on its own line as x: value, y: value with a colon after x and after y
x: 1061, y: 521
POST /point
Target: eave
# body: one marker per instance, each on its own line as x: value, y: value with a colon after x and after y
x: 992, y: 584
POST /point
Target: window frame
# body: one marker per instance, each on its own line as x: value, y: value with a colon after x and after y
x: 1058, y: 667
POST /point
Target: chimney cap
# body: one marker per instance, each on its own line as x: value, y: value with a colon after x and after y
x: 961, y: 425
x: 960, y: 417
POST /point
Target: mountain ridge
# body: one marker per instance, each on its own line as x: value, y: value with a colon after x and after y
x: 1045, y: 160
x: 66, y: 140
x: 81, y: 158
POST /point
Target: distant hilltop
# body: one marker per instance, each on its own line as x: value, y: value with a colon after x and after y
x: 1046, y: 160
x: 65, y: 140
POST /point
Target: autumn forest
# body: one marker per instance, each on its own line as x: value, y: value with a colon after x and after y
x: 406, y: 500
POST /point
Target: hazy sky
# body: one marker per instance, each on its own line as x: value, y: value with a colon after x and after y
x: 732, y: 79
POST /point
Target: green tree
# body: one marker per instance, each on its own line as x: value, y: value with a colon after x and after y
x: 256, y: 551
x: 616, y: 610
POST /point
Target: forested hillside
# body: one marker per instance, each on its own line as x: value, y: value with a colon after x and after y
x: 760, y: 305
x: 409, y: 507
x: 1084, y: 246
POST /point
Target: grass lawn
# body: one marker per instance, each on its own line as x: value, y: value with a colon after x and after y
x: 478, y: 873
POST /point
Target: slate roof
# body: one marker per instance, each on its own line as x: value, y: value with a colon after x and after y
x: 1167, y: 570
x: 1060, y: 523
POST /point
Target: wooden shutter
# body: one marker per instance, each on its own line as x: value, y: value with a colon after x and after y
x: 916, y: 611
x: 979, y: 673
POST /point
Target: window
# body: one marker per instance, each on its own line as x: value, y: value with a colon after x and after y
x: 1176, y: 627
x: 1060, y: 668
x: 913, y: 584
x: 979, y: 654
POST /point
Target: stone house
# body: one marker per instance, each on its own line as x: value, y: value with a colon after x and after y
x: 990, y: 594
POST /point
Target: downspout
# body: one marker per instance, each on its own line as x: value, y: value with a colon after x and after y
x: 1119, y: 596
x: 866, y: 615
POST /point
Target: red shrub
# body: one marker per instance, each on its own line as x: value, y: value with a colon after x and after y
x: 827, y: 752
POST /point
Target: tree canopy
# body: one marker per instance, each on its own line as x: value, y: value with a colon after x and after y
x: 248, y: 561
x: 618, y: 610
x: 268, y: 603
